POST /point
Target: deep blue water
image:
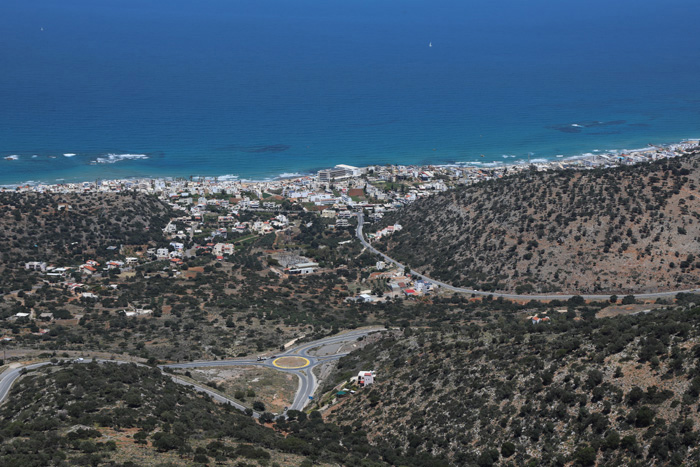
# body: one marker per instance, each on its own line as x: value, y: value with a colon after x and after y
x: 260, y: 88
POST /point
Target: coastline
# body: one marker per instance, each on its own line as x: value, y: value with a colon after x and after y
x: 510, y: 163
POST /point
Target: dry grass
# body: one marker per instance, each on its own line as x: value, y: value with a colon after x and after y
x: 275, y: 389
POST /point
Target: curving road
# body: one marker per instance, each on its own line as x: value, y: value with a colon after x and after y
x: 314, y: 353
x: 326, y: 349
x: 361, y: 237
x: 9, y: 376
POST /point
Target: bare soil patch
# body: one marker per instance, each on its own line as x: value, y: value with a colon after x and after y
x: 275, y: 389
x: 618, y: 310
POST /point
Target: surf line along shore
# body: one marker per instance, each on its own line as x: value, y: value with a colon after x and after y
x: 466, y: 172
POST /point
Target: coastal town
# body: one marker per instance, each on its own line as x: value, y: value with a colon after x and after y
x: 299, y: 234
x: 382, y: 184
x: 248, y: 267
x: 218, y: 217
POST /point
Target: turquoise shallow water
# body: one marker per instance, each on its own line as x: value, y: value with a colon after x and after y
x: 258, y: 89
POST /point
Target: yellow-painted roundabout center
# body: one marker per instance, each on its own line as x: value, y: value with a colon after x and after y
x: 291, y: 363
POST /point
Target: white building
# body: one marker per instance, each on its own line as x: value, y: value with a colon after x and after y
x: 338, y: 172
x: 322, y: 198
x: 365, y: 378
x: 221, y: 249
x: 35, y: 266
x: 262, y: 227
x: 302, y: 268
x: 351, y: 170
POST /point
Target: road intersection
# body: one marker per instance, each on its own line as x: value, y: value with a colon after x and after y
x: 300, y: 361
x: 311, y: 354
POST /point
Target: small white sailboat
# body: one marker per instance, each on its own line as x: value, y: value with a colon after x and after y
x: 430, y: 44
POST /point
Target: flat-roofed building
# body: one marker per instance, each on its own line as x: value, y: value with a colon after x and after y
x: 302, y: 268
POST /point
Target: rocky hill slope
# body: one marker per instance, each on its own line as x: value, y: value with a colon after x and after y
x: 125, y: 415
x: 617, y: 391
x: 621, y: 230
x: 72, y: 227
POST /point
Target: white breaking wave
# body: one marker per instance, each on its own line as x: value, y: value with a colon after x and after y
x: 290, y: 175
x: 227, y: 178
x: 585, y: 155
x: 481, y: 164
x: 113, y: 158
x: 70, y: 154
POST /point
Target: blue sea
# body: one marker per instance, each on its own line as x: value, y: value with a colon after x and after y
x: 256, y: 89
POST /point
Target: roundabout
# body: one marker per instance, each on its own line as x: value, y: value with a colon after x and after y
x: 291, y: 363
x: 296, y: 361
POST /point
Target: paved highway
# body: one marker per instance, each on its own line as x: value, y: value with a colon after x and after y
x: 361, y: 237
x: 9, y: 376
x: 326, y: 350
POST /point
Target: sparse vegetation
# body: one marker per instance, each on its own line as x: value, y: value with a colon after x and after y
x: 623, y: 230
x: 616, y: 391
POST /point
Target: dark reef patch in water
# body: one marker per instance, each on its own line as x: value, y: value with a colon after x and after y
x: 255, y: 149
x: 580, y: 126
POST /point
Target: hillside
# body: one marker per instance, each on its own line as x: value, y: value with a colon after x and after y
x: 205, y: 308
x: 616, y: 391
x: 125, y: 415
x: 630, y: 229
x: 73, y: 227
